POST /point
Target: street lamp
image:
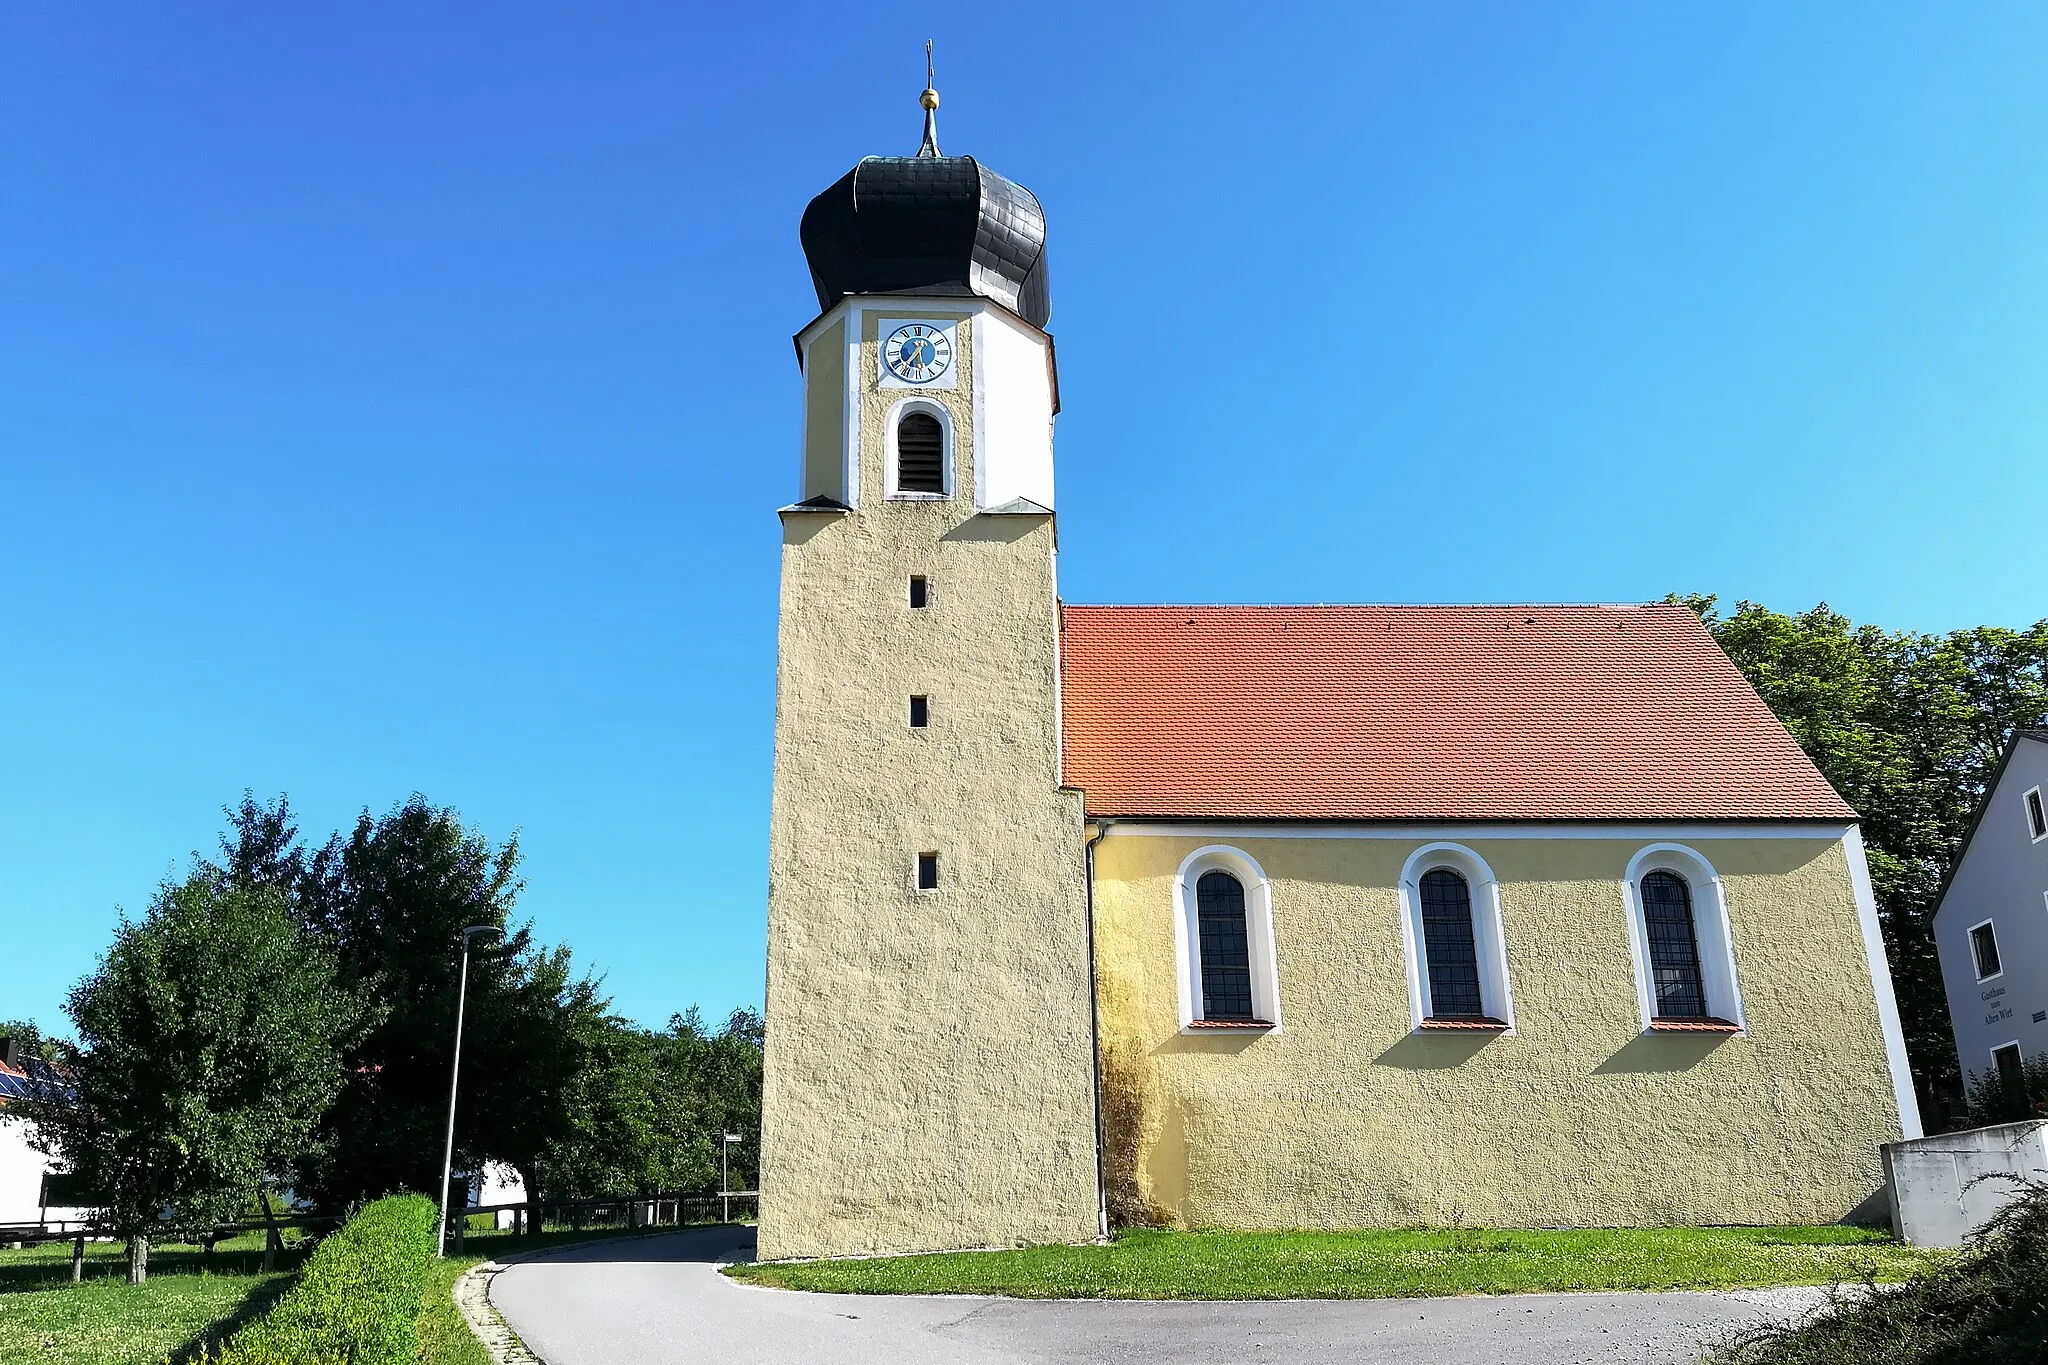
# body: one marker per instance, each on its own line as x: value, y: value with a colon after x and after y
x: 455, y: 1074
x: 725, y: 1142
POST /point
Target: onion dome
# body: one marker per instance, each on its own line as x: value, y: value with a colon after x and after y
x: 929, y: 224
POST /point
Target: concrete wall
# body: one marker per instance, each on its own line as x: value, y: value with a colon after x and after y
x: 1350, y: 1116
x: 928, y: 1073
x: 2002, y: 877
x: 1944, y: 1188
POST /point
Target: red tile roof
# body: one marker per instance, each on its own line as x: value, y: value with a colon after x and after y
x: 1422, y: 713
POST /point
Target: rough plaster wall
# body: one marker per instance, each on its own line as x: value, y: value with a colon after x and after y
x: 928, y: 1069
x: 824, y: 465
x: 1348, y: 1118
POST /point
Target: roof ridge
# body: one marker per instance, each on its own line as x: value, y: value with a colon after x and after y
x: 1372, y: 606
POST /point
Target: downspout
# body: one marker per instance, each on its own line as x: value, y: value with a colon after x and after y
x: 1102, y: 828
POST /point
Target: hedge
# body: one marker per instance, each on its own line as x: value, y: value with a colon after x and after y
x: 357, y: 1301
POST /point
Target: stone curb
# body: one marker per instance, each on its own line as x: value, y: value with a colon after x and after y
x: 488, y: 1325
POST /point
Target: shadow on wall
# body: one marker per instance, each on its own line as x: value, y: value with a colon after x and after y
x: 1435, y: 1051
x: 1662, y: 1052
x: 1000, y: 529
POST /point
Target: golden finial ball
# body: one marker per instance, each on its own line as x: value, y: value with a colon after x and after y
x: 929, y: 99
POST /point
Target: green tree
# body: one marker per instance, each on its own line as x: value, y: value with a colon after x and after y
x: 649, y: 1108
x: 729, y: 1062
x: 1908, y: 727
x: 390, y: 900
x: 209, y: 1046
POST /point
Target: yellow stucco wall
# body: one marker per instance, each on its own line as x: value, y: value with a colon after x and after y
x: 825, y: 413
x: 1349, y: 1118
x: 928, y: 1078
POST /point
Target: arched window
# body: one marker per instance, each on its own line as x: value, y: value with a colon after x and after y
x: 1454, y: 943
x: 920, y: 454
x: 1225, y: 947
x: 1229, y: 975
x: 1448, y: 946
x: 1674, y: 947
x: 1682, y: 942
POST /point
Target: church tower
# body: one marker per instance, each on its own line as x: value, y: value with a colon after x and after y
x: 930, y: 1063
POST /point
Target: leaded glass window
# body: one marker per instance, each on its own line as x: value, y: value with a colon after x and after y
x: 1674, y: 947
x: 1448, y: 947
x: 1226, y: 947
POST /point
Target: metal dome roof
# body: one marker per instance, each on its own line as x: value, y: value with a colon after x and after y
x: 929, y: 224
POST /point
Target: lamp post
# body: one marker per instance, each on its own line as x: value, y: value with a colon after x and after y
x: 725, y: 1142
x: 455, y: 1075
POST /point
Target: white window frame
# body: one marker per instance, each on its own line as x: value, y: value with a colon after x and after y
x: 2027, y: 813
x: 1258, y: 925
x: 1970, y: 947
x: 1489, y: 941
x: 2014, y: 1044
x: 1711, y: 935
x: 947, y: 449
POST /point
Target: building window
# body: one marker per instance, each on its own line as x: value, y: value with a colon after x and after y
x: 920, y: 713
x: 927, y: 871
x: 2012, y: 1074
x: 1223, y: 937
x: 918, y: 592
x: 1448, y: 946
x: 1226, y: 948
x: 1674, y: 947
x: 1984, y: 950
x: 920, y: 453
x: 1684, y: 952
x: 2037, y: 818
x: 1456, y: 951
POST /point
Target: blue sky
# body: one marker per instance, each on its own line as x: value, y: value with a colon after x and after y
x: 395, y: 397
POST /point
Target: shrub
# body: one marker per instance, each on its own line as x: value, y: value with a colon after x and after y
x: 357, y: 1302
x: 1995, y: 1098
x: 1990, y: 1303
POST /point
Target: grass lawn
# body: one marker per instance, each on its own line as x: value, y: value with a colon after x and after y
x: 1375, y: 1264
x: 106, y: 1321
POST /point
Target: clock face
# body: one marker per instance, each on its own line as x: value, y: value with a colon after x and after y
x: 917, y: 353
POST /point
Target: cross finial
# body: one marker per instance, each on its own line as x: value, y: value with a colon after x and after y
x: 930, y: 100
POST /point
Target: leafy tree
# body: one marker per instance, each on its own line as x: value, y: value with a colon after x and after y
x: 649, y: 1109
x: 209, y: 1045
x: 390, y: 900
x: 1908, y: 727
x: 729, y: 1062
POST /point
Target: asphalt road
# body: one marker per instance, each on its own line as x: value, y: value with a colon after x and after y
x: 658, y: 1300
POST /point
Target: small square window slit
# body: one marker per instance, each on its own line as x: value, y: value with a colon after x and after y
x: 927, y: 871
x: 920, y: 713
x: 919, y: 592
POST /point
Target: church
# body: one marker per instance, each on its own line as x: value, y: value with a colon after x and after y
x: 1251, y: 916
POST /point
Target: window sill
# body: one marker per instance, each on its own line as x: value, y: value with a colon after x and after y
x: 1238, y: 1025
x: 1707, y: 1025
x: 1481, y: 1023
x: 918, y: 497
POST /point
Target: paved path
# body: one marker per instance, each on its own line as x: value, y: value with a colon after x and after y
x: 661, y: 1301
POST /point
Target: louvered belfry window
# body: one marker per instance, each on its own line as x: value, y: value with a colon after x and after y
x: 920, y: 454
x: 1674, y: 948
x: 1226, y: 948
x: 1448, y: 946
